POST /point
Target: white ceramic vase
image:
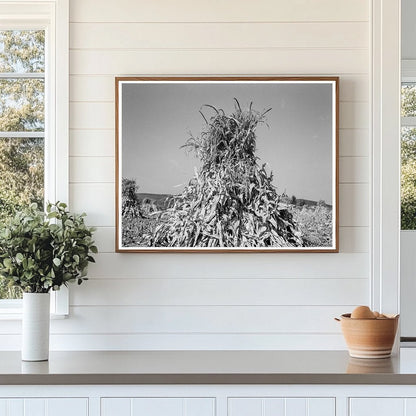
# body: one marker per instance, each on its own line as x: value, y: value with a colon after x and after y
x: 35, y: 326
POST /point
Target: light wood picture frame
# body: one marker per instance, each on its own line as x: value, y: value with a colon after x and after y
x: 227, y: 164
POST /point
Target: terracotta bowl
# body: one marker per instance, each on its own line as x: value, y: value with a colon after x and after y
x: 369, y: 366
x: 369, y: 338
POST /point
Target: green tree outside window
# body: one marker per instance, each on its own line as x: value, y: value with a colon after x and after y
x: 22, y: 111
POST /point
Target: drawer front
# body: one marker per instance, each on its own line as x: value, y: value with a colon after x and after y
x: 44, y: 407
x: 159, y: 406
x: 274, y: 406
x: 382, y: 406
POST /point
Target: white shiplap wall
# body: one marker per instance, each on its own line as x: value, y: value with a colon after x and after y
x: 214, y: 301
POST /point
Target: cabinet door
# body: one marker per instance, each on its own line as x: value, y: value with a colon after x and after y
x: 44, y: 407
x: 160, y: 406
x: 377, y: 406
x: 259, y: 406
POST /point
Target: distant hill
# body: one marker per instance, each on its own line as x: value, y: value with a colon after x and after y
x: 300, y: 202
x: 152, y: 197
x: 308, y: 202
x: 160, y: 200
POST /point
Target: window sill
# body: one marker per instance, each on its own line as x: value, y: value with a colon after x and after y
x: 12, y: 315
x: 11, y: 309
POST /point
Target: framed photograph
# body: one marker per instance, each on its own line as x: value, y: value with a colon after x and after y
x: 227, y: 164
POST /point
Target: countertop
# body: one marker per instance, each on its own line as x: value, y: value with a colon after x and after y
x: 207, y: 367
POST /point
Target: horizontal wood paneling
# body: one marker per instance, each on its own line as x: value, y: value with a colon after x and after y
x: 354, y: 142
x: 92, y: 169
x: 354, y: 205
x: 354, y: 169
x: 354, y: 115
x: 200, y: 319
x: 219, y: 291
x: 96, y: 199
x: 215, y: 301
x: 92, y: 115
x: 220, y: 62
x: 194, y: 319
x: 99, y: 88
x: 192, y: 341
x: 104, y: 238
x: 354, y: 239
x: 96, y: 88
x: 235, y: 266
x: 93, y: 143
x: 11, y: 11
x: 218, y: 35
x: 218, y: 11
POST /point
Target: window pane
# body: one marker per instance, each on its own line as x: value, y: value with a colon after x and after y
x: 22, y: 109
x: 408, y: 178
x: 21, y: 183
x: 21, y: 173
x: 9, y: 292
x: 22, y: 51
x: 408, y: 99
x: 22, y: 104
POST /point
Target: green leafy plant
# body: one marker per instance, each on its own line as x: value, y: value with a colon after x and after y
x: 43, y: 251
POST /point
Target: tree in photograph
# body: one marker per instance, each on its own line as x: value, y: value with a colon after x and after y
x: 231, y: 200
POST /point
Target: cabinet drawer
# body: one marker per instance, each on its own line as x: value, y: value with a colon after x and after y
x: 44, y: 407
x: 274, y: 406
x: 159, y: 406
x: 378, y: 406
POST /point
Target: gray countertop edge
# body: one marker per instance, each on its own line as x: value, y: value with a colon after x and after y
x: 129, y: 379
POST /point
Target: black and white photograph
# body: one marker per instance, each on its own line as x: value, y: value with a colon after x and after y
x: 227, y: 164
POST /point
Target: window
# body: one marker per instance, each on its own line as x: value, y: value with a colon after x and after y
x: 22, y: 125
x: 408, y: 153
x: 33, y: 113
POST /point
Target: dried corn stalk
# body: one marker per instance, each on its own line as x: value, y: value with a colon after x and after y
x: 231, y: 201
x: 131, y: 214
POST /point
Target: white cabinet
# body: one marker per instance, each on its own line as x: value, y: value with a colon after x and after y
x: 281, y: 406
x: 159, y: 406
x: 44, y: 407
x: 382, y: 406
x: 208, y: 400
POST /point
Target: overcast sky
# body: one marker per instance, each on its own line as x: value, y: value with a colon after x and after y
x: 297, y: 145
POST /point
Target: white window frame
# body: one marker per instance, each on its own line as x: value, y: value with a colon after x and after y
x: 408, y: 75
x: 53, y: 17
x: 385, y: 184
x: 408, y: 236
